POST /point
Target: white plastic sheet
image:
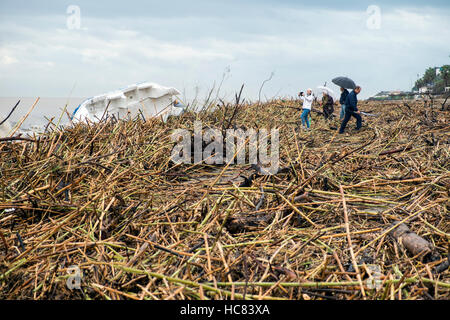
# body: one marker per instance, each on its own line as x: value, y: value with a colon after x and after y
x: 153, y: 99
x: 178, y: 109
x: 82, y: 115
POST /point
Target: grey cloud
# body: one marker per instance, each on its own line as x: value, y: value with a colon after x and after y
x: 190, y: 45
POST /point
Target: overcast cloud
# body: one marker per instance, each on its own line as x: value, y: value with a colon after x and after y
x: 189, y: 44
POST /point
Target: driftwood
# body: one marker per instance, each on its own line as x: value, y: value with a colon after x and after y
x: 304, y: 196
x: 444, y: 265
x: 445, y: 101
x: 395, y: 151
x: 8, y: 139
x: 412, y: 242
x: 246, y: 222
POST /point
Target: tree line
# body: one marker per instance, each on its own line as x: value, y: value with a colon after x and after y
x: 437, y: 81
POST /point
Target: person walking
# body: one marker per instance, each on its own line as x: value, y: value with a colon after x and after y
x: 306, y: 108
x: 344, y: 94
x: 351, y: 110
x: 327, y: 105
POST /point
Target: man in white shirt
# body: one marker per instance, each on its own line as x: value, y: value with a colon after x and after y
x: 307, y: 103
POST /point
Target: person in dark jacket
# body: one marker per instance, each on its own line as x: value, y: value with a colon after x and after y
x: 351, y: 110
x: 344, y: 94
x: 327, y: 105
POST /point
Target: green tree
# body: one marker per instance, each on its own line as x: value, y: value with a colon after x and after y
x: 419, y: 84
x: 439, y: 86
x: 430, y: 76
x: 437, y: 82
x: 445, y: 74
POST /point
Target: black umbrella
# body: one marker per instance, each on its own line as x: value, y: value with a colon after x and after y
x: 344, y: 82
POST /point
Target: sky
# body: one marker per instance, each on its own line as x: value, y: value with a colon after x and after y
x: 47, y: 49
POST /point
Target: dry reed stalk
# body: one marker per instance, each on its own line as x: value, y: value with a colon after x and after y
x: 106, y: 197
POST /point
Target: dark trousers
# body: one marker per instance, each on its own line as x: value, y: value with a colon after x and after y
x: 328, y: 110
x: 348, y: 115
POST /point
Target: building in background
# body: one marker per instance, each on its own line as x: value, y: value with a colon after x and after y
x: 424, y: 89
x: 394, y: 95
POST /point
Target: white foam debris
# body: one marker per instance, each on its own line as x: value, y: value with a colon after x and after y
x: 151, y: 98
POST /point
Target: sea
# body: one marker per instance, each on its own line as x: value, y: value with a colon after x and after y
x: 46, y: 109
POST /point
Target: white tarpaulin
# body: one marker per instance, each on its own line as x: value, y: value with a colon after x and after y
x: 153, y: 99
x: 178, y: 109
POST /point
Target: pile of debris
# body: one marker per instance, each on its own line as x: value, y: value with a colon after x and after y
x: 101, y: 212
